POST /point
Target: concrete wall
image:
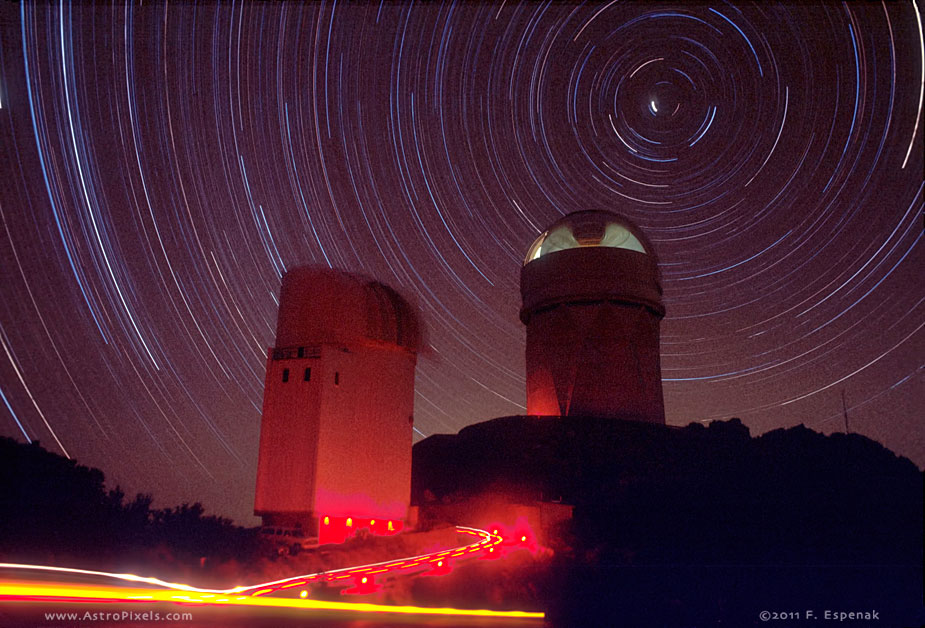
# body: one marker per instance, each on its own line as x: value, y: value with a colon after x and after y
x: 365, y: 434
x: 288, y: 436
x: 599, y: 359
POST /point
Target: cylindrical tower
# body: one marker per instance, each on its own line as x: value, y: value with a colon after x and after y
x: 592, y: 303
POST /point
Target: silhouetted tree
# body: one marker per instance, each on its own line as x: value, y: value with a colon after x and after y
x: 672, y: 523
x: 55, y: 510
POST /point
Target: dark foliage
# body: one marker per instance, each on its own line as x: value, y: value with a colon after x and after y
x: 674, y: 522
x: 53, y: 510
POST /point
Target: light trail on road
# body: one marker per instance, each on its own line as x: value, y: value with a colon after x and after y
x: 258, y: 595
x: 45, y: 592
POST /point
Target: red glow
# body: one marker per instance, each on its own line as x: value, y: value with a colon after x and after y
x: 339, y: 529
x: 438, y: 562
x: 282, y: 593
x: 362, y: 586
x: 440, y: 568
x: 520, y: 535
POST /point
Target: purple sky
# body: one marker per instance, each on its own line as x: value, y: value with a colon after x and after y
x: 162, y: 166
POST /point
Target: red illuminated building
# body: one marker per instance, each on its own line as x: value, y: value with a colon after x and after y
x: 336, y: 431
x: 592, y: 304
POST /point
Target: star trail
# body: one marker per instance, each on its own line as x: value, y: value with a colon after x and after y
x: 164, y: 164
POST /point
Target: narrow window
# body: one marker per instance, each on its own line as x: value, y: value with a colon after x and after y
x: 336, y: 378
x: 308, y: 374
x: 302, y: 353
x: 285, y: 375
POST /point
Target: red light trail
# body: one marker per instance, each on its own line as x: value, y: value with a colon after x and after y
x: 260, y: 595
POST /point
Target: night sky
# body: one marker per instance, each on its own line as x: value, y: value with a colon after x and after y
x: 163, y: 165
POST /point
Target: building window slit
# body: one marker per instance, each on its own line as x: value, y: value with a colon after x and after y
x: 308, y: 374
x: 285, y: 375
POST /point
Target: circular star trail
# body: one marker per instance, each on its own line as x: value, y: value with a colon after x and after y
x: 163, y: 165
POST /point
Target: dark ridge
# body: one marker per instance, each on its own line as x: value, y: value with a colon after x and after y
x: 704, y: 493
x: 56, y: 511
x: 698, y: 525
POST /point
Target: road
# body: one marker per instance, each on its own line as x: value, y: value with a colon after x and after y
x: 33, y: 591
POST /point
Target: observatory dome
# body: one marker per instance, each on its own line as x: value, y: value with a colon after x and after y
x: 592, y: 228
x: 590, y: 256
x: 592, y: 303
x: 320, y: 305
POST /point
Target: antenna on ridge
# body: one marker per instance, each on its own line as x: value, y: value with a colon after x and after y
x: 845, y: 410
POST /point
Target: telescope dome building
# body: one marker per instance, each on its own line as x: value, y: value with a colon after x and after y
x: 336, y: 427
x: 592, y: 304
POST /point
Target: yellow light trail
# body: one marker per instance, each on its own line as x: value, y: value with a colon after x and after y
x: 45, y: 592
x: 250, y: 596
